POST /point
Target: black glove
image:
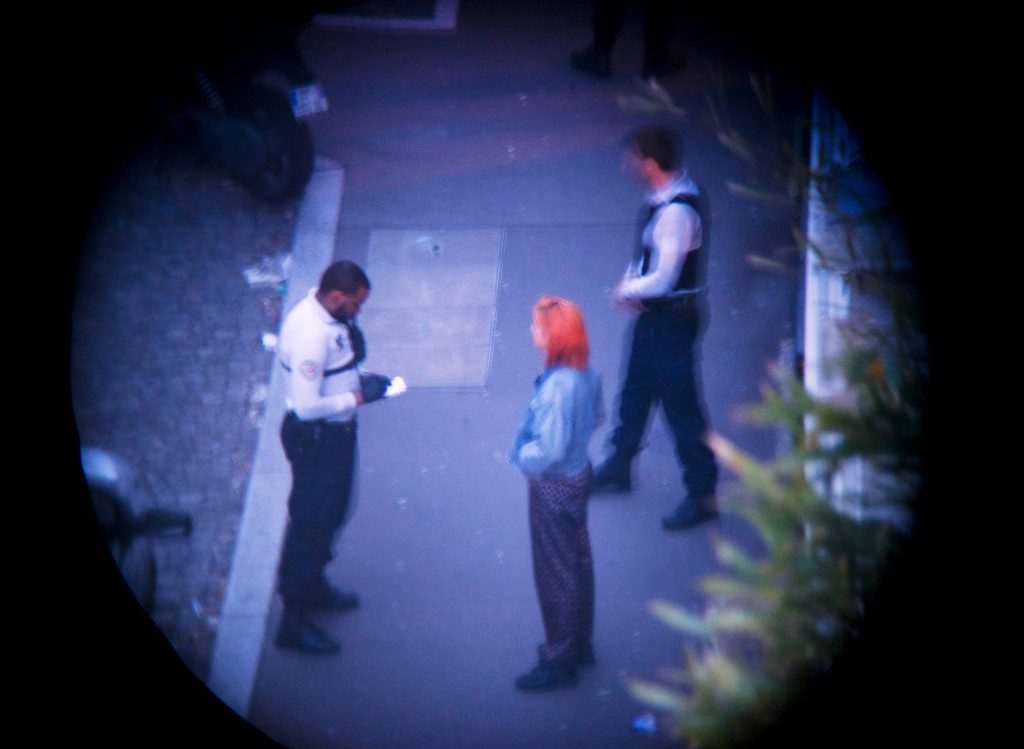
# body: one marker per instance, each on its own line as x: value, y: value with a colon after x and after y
x: 373, y: 386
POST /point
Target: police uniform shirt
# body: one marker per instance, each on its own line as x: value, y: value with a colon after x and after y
x: 673, y: 231
x: 313, y: 347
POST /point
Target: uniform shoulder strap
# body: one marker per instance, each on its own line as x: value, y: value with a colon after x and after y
x: 694, y: 201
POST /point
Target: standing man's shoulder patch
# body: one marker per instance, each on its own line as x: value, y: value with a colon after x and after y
x: 309, y: 369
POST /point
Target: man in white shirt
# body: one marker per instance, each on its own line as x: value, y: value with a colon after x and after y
x: 320, y: 348
x: 664, y: 288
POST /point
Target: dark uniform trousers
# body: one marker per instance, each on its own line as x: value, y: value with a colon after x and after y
x: 322, y: 455
x: 563, y: 567
x: 662, y: 367
x: 658, y: 24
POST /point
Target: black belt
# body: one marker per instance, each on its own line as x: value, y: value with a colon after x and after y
x: 671, y: 304
x: 323, y: 423
x: 327, y: 372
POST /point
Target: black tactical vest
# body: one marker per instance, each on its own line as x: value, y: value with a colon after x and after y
x: 691, y: 277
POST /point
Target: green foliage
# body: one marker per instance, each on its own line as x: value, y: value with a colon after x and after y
x: 778, y: 176
x: 653, y: 100
x: 773, y: 619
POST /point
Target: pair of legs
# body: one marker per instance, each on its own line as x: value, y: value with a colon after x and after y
x: 608, y: 17
x: 563, y: 571
x: 662, y: 368
x: 322, y: 457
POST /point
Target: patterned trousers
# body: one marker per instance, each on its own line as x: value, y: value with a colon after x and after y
x: 563, y: 568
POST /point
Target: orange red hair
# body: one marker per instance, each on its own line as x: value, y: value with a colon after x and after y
x: 562, y: 322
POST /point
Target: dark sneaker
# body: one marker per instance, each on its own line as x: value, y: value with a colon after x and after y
x: 333, y: 599
x: 302, y: 635
x: 612, y: 477
x: 546, y: 676
x: 592, y: 61
x: 691, y: 513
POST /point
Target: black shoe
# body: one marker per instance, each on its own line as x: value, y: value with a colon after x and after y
x: 691, y: 513
x: 298, y: 633
x: 584, y: 659
x: 592, y: 61
x: 545, y: 676
x: 612, y: 477
x: 332, y: 599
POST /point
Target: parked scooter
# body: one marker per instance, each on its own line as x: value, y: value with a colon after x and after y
x: 128, y: 528
x: 240, y: 93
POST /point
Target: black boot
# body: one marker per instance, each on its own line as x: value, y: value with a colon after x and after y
x: 613, y: 477
x: 546, y: 676
x: 691, y: 512
x: 584, y: 658
x: 329, y: 598
x: 297, y: 632
x: 592, y: 61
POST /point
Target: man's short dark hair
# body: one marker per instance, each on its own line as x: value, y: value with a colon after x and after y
x: 663, y: 145
x: 344, y: 276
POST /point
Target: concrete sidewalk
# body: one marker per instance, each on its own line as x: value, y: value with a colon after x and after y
x: 487, y: 128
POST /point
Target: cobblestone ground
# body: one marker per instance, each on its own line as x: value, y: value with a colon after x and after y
x: 168, y: 366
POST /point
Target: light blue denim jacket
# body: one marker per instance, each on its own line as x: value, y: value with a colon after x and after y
x: 565, y: 409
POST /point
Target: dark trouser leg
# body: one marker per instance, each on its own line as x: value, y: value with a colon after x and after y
x: 563, y: 566
x: 597, y: 58
x: 322, y: 471
x: 658, y: 21
x: 637, y: 395
x: 608, y: 15
x: 585, y: 567
x: 684, y: 411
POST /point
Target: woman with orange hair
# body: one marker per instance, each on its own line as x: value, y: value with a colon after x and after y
x: 550, y: 449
